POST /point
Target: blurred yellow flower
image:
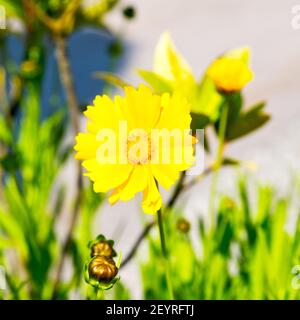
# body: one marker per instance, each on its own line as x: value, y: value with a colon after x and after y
x: 231, y: 72
x: 139, y: 158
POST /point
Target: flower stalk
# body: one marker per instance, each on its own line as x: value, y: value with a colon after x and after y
x: 165, y: 254
x: 218, y: 160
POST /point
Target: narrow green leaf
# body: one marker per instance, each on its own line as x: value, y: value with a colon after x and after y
x: 199, y: 121
x: 157, y: 82
x: 111, y: 79
x: 230, y: 162
x: 5, y: 133
x: 248, y: 122
x: 207, y: 100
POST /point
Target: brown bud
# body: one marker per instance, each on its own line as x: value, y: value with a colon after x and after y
x: 183, y: 225
x: 102, y: 269
x: 102, y: 248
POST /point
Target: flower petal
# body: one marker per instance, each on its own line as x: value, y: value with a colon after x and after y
x: 136, y: 182
x: 152, y: 200
x: 104, y: 114
x: 142, y: 108
x: 86, y: 146
x: 175, y: 112
x: 165, y: 174
x: 106, y: 176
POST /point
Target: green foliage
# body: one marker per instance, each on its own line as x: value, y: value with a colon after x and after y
x: 27, y: 219
x: 157, y: 82
x: 248, y: 122
x: 111, y: 79
x: 33, y: 153
x: 248, y: 255
x: 12, y: 8
x: 26, y: 189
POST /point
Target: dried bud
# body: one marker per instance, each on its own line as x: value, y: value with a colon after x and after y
x: 183, y: 225
x: 102, y: 248
x: 102, y: 269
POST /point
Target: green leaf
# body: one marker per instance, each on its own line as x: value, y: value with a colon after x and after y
x: 207, y: 100
x: 111, y: 79
x: 13, y: 8
x: 248, y: 122
x: 168, y: 62
x: 230, y: 162
x: 5, y: 133
x: 11, y: 162
x: 12, y: 228
x: 235, y: 103
x: 157, y: 82
x: 199, y: 121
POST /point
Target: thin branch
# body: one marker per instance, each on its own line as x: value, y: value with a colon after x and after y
x: 179, y: 187
x: 68, y: 85
x: 137, y: 243
x: 198, y: 178
x: 67, y: 80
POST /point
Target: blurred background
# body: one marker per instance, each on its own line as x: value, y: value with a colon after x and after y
x: 201, y: 30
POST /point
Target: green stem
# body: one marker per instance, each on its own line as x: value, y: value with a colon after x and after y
x: 218, y: 161
x: 165, y: 254
x: 99, y: 294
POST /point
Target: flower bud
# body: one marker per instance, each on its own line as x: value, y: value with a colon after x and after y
x: 231, y: 72
x: 102, y: 269
x: 183, y: 225
x: 102, y: 248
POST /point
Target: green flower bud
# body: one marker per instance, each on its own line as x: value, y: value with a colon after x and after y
x: 183, y: 225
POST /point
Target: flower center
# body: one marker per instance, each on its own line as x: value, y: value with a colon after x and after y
x: 139, y: 147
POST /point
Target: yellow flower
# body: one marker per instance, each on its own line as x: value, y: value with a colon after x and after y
x: 133, y: 160
x: 231, y: 72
